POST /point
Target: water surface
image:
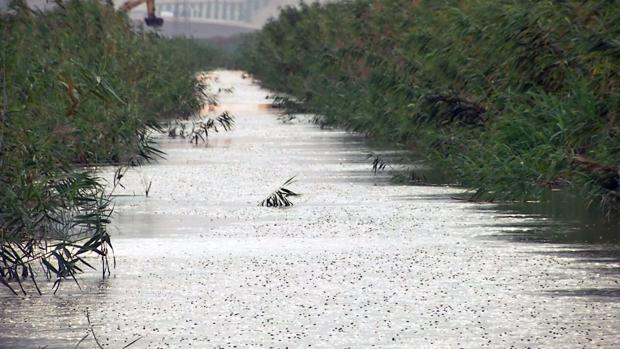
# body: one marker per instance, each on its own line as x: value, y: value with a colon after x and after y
x: 356, y: 263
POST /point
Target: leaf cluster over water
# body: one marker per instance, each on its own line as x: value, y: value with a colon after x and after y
x: 280, y: 197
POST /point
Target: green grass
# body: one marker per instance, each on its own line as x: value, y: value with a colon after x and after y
x: 511, y: 98
x: 80, y: 87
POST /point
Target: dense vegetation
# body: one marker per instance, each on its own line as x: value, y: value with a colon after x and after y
x: 512, y: 98
x: 80, y: 87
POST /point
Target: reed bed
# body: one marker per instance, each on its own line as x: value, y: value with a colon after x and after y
x: 81, y: 87
x: 513, y: 99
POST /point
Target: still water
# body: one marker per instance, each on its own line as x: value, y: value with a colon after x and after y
x: 357, y: 262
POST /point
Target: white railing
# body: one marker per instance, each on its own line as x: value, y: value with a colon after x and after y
x: 218, y: 10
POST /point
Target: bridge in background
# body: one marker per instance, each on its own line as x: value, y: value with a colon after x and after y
x: 212, y: 18
x: 198, y: 18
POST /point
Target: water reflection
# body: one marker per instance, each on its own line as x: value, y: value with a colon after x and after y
x: 566, y: 219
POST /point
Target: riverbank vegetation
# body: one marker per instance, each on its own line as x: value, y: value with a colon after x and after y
x: 511, y: 98
x: 81, y: 87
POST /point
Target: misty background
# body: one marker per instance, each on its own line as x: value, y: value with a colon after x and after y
x: 198, y: 18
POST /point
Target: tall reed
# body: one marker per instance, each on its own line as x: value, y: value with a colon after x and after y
x: 80, y: 87
x: 513, y: 98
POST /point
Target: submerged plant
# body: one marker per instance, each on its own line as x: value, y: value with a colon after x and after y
x: 280, y: 197
x: 378, y: 163
x: 176, y: 129
x: 201, y: 130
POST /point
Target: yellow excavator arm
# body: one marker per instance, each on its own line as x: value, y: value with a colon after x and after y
x: 151, y: 19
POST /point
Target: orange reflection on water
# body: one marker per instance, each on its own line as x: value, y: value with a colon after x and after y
x: 236, y: 108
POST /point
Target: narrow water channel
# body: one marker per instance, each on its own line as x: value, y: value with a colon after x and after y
x: 357, y: 262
